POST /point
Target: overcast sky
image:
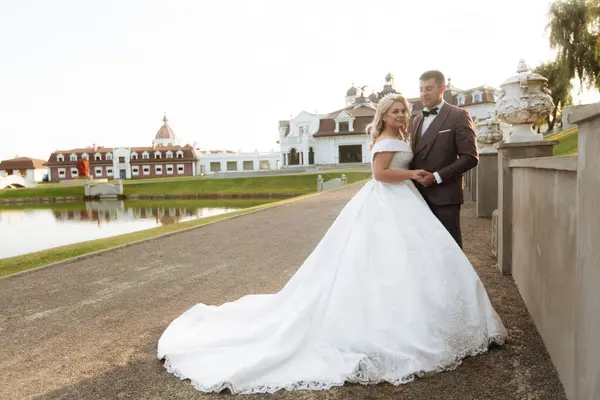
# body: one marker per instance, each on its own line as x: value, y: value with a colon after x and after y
x: 79, y: 72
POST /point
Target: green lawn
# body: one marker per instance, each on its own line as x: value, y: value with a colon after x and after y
x: 283, y: 184
x: 567, y: 142
x: 41, y: 191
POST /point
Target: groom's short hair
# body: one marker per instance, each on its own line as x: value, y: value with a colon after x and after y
x: 433, y: 74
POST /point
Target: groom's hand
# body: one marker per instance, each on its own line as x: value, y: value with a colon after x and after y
x: 427, y: 180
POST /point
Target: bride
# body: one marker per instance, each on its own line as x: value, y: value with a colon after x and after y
x: 386, y: 296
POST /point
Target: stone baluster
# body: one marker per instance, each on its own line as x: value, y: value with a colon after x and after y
x: 523, y: 101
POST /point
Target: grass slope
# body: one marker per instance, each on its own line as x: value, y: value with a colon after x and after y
x: 568, y: 142
x: 269, y: 184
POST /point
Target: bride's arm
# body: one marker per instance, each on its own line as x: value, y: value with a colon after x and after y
x: 382, y: 173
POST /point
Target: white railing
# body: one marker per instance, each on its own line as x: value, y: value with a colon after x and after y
x: 11, y: 181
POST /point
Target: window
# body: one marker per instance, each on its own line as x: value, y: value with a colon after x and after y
x: 158, y: 169
x: 98, y: 171
x: 134, y: 156
x: 74, y: 172
x: 248, y: 165
x: 158, y: 155
x: 97, y: 156
x: 169, y: 170
x: 60, y: 158
x: 169, y: 154
x: 180, y: 168
x: 344, y: 127
x: 122, y: 160
x: 145, y: 155
x: 62, y: 172
x: 231, y: 165
x: 73, y: 157
x: 461, y: 100
x: 180, y: 154
x: 146, y: 170
x: 215, y: 166
x: 264, y: 164
x: 109, y: 171
x: 476, y: 97
x: 85, y: 156
x: 135, y: 170
x: 109, y: 156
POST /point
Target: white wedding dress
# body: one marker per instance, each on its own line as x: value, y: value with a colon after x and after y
x: 387, y: 295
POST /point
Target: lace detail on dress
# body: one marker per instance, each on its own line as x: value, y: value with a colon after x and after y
x: 369, y: 371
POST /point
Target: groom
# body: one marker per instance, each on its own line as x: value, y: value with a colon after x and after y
x: 444, y: 144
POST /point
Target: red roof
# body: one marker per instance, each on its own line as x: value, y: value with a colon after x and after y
x: 188, y: 154
x: 22, y: 163
x: 362, y: 115
x: 327, y: 127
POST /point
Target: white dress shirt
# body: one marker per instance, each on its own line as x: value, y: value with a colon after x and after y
x: 426, y: 122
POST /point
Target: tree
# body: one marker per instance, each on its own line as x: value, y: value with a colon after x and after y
x: 560, y: 85
x: 594, y: 10
x: 575, y: 31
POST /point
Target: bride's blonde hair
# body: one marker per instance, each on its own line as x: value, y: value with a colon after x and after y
x: 375, y: 128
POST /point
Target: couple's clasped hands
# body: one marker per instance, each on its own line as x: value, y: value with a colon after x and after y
x: 425, y: 178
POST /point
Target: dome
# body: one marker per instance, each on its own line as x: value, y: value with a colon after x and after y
x: 389, y: 77
x: 165, y: 131
x: 373, y: 98
x: 352, y: 91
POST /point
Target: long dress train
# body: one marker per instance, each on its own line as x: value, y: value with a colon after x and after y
x: 387, y: 295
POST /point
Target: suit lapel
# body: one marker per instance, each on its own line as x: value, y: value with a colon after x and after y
x: 433, y: 129
x: 416, y: 130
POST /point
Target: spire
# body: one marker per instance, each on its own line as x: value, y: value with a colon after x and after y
x: 389, y: 80
x: 165, y: 120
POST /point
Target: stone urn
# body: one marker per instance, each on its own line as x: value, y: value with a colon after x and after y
x: 488, y: 134
x: 524, y: 100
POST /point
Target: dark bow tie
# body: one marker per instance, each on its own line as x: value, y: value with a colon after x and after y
x: 433, y: 111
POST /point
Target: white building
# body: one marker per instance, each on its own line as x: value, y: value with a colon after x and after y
x: 339, y: 137
x: 32, y: 170
x: 335, y: 138
x: 480, y: 102
x: 226, y: 161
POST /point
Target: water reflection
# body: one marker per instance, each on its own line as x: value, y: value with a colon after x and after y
x: 27, y: 228
x: 104, y: 212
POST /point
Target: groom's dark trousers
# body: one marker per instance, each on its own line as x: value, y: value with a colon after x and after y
x: 449, y: 148
x: 449, y: 216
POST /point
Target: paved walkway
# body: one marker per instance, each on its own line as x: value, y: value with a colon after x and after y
x: 88, y: 330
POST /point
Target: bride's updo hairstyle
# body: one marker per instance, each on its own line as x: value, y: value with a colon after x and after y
x: 375, y: 128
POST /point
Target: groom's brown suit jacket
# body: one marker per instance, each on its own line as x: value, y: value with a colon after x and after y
x: 448, y: 147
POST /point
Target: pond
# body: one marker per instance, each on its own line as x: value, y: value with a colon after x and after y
x: 26, y: 228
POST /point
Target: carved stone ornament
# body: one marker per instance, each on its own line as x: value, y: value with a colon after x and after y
x: 524, y: 100
x: 488, y: 133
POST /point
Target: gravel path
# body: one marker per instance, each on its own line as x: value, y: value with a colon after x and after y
x: 88, y: 329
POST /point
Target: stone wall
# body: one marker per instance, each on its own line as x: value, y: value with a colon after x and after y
x: 544, y: 252
x: 549, y: 239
